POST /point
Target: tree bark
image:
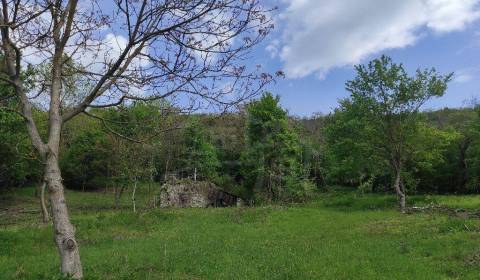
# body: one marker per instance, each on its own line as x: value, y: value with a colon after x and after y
x: 398, y: 188
x: 64, y: 232
x: 43, y: 204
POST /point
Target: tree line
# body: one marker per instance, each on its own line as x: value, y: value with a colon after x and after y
x: 377, y: 140
x: 255, y: 151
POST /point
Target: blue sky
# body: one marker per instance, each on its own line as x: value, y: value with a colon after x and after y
x: 317, y: 41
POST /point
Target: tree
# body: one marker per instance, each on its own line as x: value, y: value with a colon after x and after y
x: 86, y: 155
x: 390, y: 99
x: 200, y: 156
x: 471, y: 159
x: 132, y: 50
x: 427, y: 164
x: 272, y: 160
x: 227, y: 134
x: 455, y: 174
x: 18, y: 162
x: 351, y: 159
x: 137, y: 132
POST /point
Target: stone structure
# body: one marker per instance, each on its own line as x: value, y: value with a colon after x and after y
x: 186, y: 193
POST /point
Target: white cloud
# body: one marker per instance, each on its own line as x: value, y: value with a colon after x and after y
x: 322, y: 34
x: 463, y: 78
x: 272, y: 48
x: 466, y: 75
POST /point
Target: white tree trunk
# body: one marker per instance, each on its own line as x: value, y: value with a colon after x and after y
x: 133, y: 196
x: 398, y: 188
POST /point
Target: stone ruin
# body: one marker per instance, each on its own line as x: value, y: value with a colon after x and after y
x: 201, y: 194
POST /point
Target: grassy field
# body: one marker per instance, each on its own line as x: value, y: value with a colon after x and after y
x: 339, y: 235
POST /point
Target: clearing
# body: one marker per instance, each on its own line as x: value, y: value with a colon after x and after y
x: 339, y: 235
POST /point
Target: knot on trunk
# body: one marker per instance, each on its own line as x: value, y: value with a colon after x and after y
x: 69, y: 244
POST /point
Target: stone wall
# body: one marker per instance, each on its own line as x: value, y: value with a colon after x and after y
x: 201, y: 194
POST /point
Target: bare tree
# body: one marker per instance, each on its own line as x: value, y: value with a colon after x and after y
x: 124, y: 50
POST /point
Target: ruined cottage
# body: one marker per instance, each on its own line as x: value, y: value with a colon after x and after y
x: 201, y: 194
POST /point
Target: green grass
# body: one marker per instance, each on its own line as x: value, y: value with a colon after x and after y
x: 339, y: 235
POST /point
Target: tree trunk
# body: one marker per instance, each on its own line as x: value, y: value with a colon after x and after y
x: 398, y: 188
x: 118, y: 195
x: 133, y: 196
x: 462, y: 177
x: 43, y: 205
x: 166, y: 169
x: 115, y: 195
x: 64, y: 232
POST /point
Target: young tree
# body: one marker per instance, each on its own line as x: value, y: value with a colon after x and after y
x: 385, y: 95
x: 127, y: 50
x: 200, y: 157
x: 272, y: 160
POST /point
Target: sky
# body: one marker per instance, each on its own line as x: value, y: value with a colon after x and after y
x: 317, y: 42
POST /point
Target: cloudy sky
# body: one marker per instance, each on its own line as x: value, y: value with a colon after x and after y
x: 316, y: 42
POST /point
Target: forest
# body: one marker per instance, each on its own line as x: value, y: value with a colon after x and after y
x: 263, y: 154
x: 161, y: 152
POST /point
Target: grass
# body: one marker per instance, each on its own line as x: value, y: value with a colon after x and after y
x: 339, y: 235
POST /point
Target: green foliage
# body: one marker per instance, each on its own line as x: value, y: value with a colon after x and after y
x: 458, y: 171
x: 118, y: 150
x: 226, y: 133
x: 18, y: 162
x: 272, y: 159
x: 261, y: 150
x: 472, y: 157
x: 350, y: 155
x: 375, y: 131
x: 200, y: 156
x: 429, y: 148
x: 86, y: 156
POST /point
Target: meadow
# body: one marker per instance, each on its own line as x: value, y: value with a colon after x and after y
x: 341, y: 234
